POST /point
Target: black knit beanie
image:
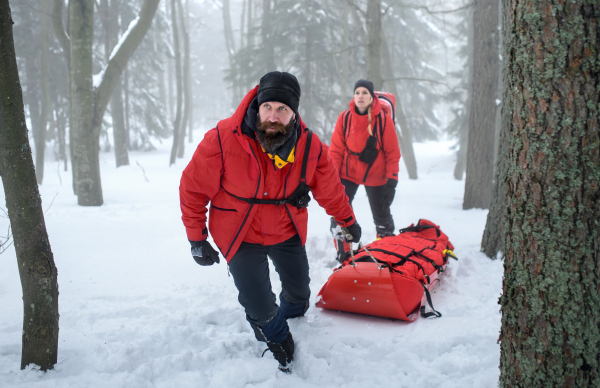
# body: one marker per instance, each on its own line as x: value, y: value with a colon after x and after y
x: 281, y: 87
x: 365, y: 84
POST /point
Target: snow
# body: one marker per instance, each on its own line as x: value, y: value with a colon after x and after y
x: 97, y: 78
x: 131, y: 26
x: 136, y: 311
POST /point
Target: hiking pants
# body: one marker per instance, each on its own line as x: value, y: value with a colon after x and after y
x: 384, y: 223
x: 250, y: 270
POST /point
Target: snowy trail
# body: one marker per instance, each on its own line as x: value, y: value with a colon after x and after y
x: 136, y: 311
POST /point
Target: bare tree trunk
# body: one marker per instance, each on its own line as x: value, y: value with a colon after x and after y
x: 482, y: 120
x: 374, y: 43
x: 229, y: 40
x: 40, y: 142
x: 35, y: 260
x: 85, y: 148
x: 186, y: 81
x: 463, y: 137
x: 492, y: 242
x: 550, y: 301
x: 249, y: 26
x: 61, y: 123
x: 266, y: 30
x: 190, y: 78
x: 402, y: 129
x: 126, y: 106
x: 179, y: 82
x: 65, y: 44
x: 111, y: 35
x: 89, y: 101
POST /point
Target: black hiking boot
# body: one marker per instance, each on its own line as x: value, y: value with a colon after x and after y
x: 283, y: 353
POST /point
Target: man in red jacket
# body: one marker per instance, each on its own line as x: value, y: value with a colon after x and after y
x: 255, y: 169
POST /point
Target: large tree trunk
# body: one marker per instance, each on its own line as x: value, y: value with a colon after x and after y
x: 374, y: 43
x: 550, y: 303
x: 34, y: 256
x: 85, y: 148
x: 402, y: 129
x: 89, y: 101
x: 482, y: 120
x: 179, y: 83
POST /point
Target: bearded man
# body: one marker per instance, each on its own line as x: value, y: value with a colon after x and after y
x: 255, y: 169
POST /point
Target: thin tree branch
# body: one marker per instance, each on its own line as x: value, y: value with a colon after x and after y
x: 118, y: 59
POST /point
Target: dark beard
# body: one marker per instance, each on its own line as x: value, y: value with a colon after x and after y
x: 272, y: 141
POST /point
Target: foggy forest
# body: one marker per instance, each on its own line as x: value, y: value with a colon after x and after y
x: 497, y: 118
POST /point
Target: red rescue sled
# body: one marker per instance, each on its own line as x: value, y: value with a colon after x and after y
x: 391, y: 277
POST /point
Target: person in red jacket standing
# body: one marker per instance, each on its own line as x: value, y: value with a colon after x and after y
x: 255, y: 169
x: 364, y: 149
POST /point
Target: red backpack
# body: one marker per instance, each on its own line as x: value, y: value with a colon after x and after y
x: 388, y: 103
x: 392, y: 277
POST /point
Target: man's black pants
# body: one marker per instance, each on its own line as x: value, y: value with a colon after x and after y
x: 384, y: 223
x: 250, y: 270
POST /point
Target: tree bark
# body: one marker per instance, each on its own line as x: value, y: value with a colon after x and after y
x: 550, y: 303
x: 179, y: 83
x: 35, y: 260
x: 88, y: 102
x: 374, y: 43
x: 402, y: 129
x: 482, y: 117
x: 84, y: 150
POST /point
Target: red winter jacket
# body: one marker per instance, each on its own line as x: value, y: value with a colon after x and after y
x: 228, y: 161
x: 351, y: 134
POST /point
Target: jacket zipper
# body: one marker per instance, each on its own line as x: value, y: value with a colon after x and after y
x: 251, y: 205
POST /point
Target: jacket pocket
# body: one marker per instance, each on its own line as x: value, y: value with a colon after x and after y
x: 222, y: 209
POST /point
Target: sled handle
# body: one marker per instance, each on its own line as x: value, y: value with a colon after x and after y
x: 370, y: 255
x: 360, y: 245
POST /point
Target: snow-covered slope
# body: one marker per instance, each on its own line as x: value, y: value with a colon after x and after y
x: 136, y: 311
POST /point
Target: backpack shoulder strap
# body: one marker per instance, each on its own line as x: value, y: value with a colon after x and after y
x: 346, y: 119
x: 305, y: 160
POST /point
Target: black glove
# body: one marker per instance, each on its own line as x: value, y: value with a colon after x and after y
x: 355, y: 231
x: 204, y: 253
x: 390, y: 191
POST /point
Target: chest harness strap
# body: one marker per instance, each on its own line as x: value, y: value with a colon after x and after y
x: 299, y: 197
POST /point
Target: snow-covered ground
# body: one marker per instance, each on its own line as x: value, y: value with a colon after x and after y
x: 137, y: 311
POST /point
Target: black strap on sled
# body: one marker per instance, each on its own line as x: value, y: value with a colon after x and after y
x: 404, y: 259
x: 432, y: 313
x: 299, y: 197
x: 419, y: 228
